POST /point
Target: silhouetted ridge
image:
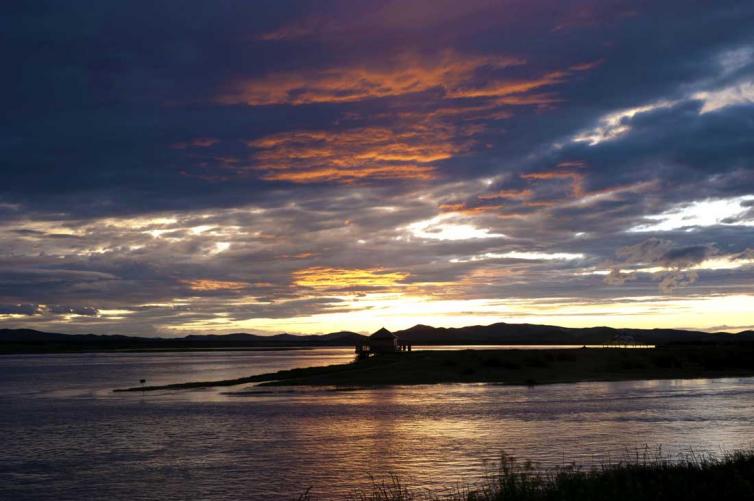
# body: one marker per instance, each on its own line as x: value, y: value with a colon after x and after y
x: 504, y: 333
x: 29, y: 340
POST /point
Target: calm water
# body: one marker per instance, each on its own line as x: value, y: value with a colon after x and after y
x: 64, y: 435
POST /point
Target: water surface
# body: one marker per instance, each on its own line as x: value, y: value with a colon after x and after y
x: 65, y: 435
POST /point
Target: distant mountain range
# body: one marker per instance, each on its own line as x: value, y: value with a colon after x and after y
x: 28, y: 340
x: 503, y: 333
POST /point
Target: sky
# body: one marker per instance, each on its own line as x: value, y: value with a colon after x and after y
x: 171, y: 168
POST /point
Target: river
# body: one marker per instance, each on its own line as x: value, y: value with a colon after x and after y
x: 65, y: 435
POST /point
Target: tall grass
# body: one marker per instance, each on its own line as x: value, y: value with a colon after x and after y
x: 644, y: 477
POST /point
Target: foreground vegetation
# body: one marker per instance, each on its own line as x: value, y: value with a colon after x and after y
x: 525, y: 367
x: 693, y: 478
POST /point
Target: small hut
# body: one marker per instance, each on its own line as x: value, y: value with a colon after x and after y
x: 383, y: 341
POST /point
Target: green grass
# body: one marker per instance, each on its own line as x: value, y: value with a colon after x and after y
x: 692, y: 478
x: 520, y: 367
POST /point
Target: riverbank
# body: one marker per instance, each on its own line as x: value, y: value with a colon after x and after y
x: 519, y: 367
x: 692, y: 478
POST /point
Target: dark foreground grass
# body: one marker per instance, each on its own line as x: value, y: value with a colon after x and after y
x: 521, y: 367
x: 692, y: 478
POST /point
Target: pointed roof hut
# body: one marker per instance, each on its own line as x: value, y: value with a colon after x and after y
x: 383, y: 333
x: 383, y: 341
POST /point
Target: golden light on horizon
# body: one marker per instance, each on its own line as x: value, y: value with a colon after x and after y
x: 400, y: 311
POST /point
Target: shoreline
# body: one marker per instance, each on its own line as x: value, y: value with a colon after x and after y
x: 513, y: 367
x: 651, y: 476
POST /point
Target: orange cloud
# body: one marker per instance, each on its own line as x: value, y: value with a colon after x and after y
x: 213, y: 285
x: 459, y: 93
x: 505, y: 88
x: 406, y: 74
x: 342, y: 278
x: 347, y: 156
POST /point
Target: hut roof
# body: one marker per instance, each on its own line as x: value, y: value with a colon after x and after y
x: 383, y: 334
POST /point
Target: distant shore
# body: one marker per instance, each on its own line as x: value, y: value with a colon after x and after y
x: 516, y: 367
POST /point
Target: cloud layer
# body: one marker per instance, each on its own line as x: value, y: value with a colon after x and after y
x: 225, y: 168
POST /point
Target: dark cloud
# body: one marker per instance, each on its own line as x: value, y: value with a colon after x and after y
x: 60, y: 309
x: 19, y: 309
x: 676, y: 262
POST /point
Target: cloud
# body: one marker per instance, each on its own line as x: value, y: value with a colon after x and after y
x: 617, y: 123
x: 617, y: 277
x: 739, y: 94
x: 576, y: 180
x: 346, y: 279
x: 60, y: 309
x: 462, y: 208
x: 710, y: 212
x: 407, y: 73
x: 673, y: 280
x: 203, y: 284
x: 42, y: 309
x: 448, y: 227
x: 673, y: 266
x: 416, y: 157
x: 19, y: 309
x: 509, y: 194
x: 648, y: 251
x: 356, y: 154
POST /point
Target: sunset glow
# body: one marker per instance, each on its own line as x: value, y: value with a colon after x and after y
x: 354, y: 164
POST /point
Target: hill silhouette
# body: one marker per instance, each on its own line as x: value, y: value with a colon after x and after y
x: 31, y: 341
x: 504, y: 333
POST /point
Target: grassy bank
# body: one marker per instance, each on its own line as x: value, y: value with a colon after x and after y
x: 525, y: 367
x: 729, y: 478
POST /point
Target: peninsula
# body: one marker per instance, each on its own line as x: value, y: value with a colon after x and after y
x: 510, y: 366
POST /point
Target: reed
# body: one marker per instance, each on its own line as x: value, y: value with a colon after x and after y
x: 643, y: 477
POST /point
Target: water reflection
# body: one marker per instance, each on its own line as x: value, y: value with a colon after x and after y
x: 65, y: 435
